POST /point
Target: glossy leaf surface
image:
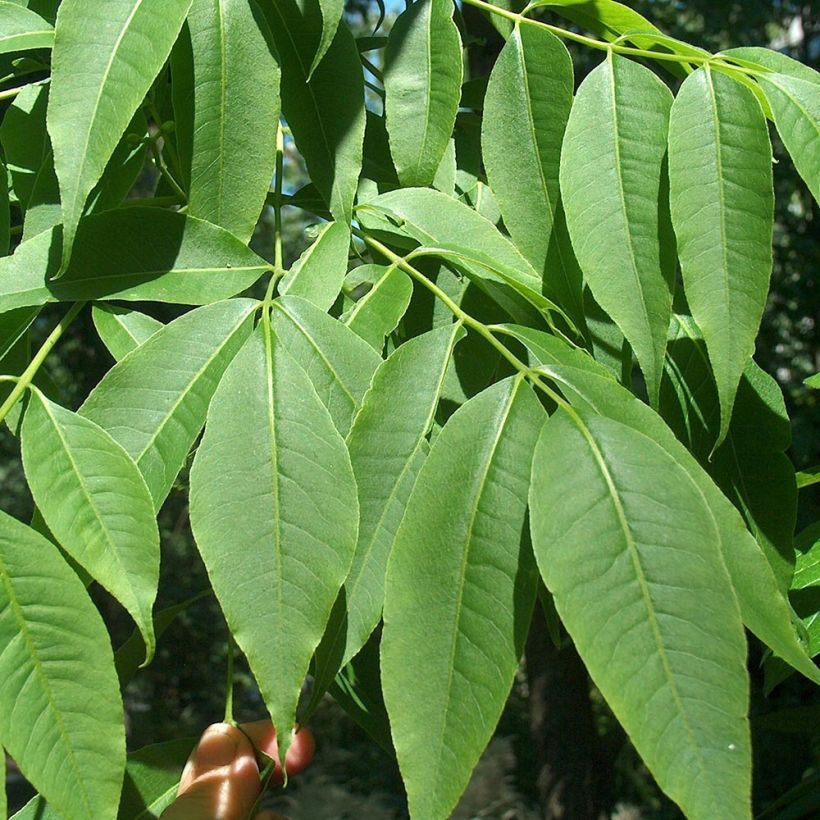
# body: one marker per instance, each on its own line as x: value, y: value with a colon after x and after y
x: 720, y: 174
x: 70, y: 746
x: 154, y: 401
x: 422, y: 83
x: 272, y: 482
x: 121, y: 44
x: 459, y: 594
x: 610, y: 178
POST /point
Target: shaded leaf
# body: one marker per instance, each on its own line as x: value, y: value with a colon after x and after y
x: 121, y: 45
x: 133, y: 254
x: 422, y: 84
x: 60, y: 710
x: 338, y: 363
x: 154, y: 401
x: 610, y: 178
x: 325, y: 113
x: 459, y: 594
x: 272, y: 482
x: 332, y: 11
x: 318, y: 274
x: 625, y: 543
x: 121, y: 329
x: 378, y: 312
x: 720, y: 174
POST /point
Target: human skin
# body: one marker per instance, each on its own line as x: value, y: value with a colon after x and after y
x: 220, y: 781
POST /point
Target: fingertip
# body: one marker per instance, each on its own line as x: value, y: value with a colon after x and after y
x: 301, y: 751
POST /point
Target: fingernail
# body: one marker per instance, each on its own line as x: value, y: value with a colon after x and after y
x: 218, y: 747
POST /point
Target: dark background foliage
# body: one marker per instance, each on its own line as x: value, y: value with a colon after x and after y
x: 558, y: 752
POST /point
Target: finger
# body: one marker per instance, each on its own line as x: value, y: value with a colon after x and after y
x: 220, y: 780
x: 299, y: 754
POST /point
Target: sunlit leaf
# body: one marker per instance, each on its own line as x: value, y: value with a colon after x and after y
x: 96, y: 504
x: 720, y: 174
x: 22, y: 29
x: 121, y: 329
x: 272, y: 482
x: 377, y: 313
x: 459, y: 594
x: 61, y: 715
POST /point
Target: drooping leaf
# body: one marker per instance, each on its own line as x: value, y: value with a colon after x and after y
x: 318, y: 274
x: 422, y: 83
x: 121, y: 46
x: 332, y: 11
x: 60, y: 709
x: 459, y: 594
x: 154, y: 401
x: 626, y: 544
x: 22, y: 29
x: 764, y: 608
x: 338, y: 362
x: 720, y: 174
x: 377, y: 313
x: 121, y: 329
x: 610, y: 179
x: 526, y: 108
x: 792, y: 93
x: 272, y: 482
x: 234, y: 79
x: 325, y: 113
x: 134, y: 254
x: 750, y: 466
x: 386, y: 459
x: 95, y: 502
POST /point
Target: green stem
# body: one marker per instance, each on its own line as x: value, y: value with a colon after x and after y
x: 31, y: 371
x: 166, y: 173
x: 277, y: 202
x: 602, y: 45
x: 229, y: 680
x: 403, y: 262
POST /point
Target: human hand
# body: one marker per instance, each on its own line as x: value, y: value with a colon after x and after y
x: 221, y: 779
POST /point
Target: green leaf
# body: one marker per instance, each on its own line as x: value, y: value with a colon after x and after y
x: 386, y: 459
x: 459, y: 594
x: 21, y: 29
x: 318, y: 274
x: 121, y: 46
x: 272, y: 482
x: 60, y: 710
x: 610, y: 178
x: 13, y: 326
x: 152, y: 776
x: 625, y: 543
x: 422, y: 84
x: 378, y: 312
x: 154, y: 401
x: 96, y: 504
x: 807, y: 567
x: 134, y: 254
x: 720, y: 174
x: 526, y: 108
x: 121, y: 329
x: 338, y: 363
x: 332, y: 11
x: 441, y: 222
x: 765, y: 610
x: 750, y: 466
x: 326, y: 112
x: 234, y: 79
x: 5, y: 213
